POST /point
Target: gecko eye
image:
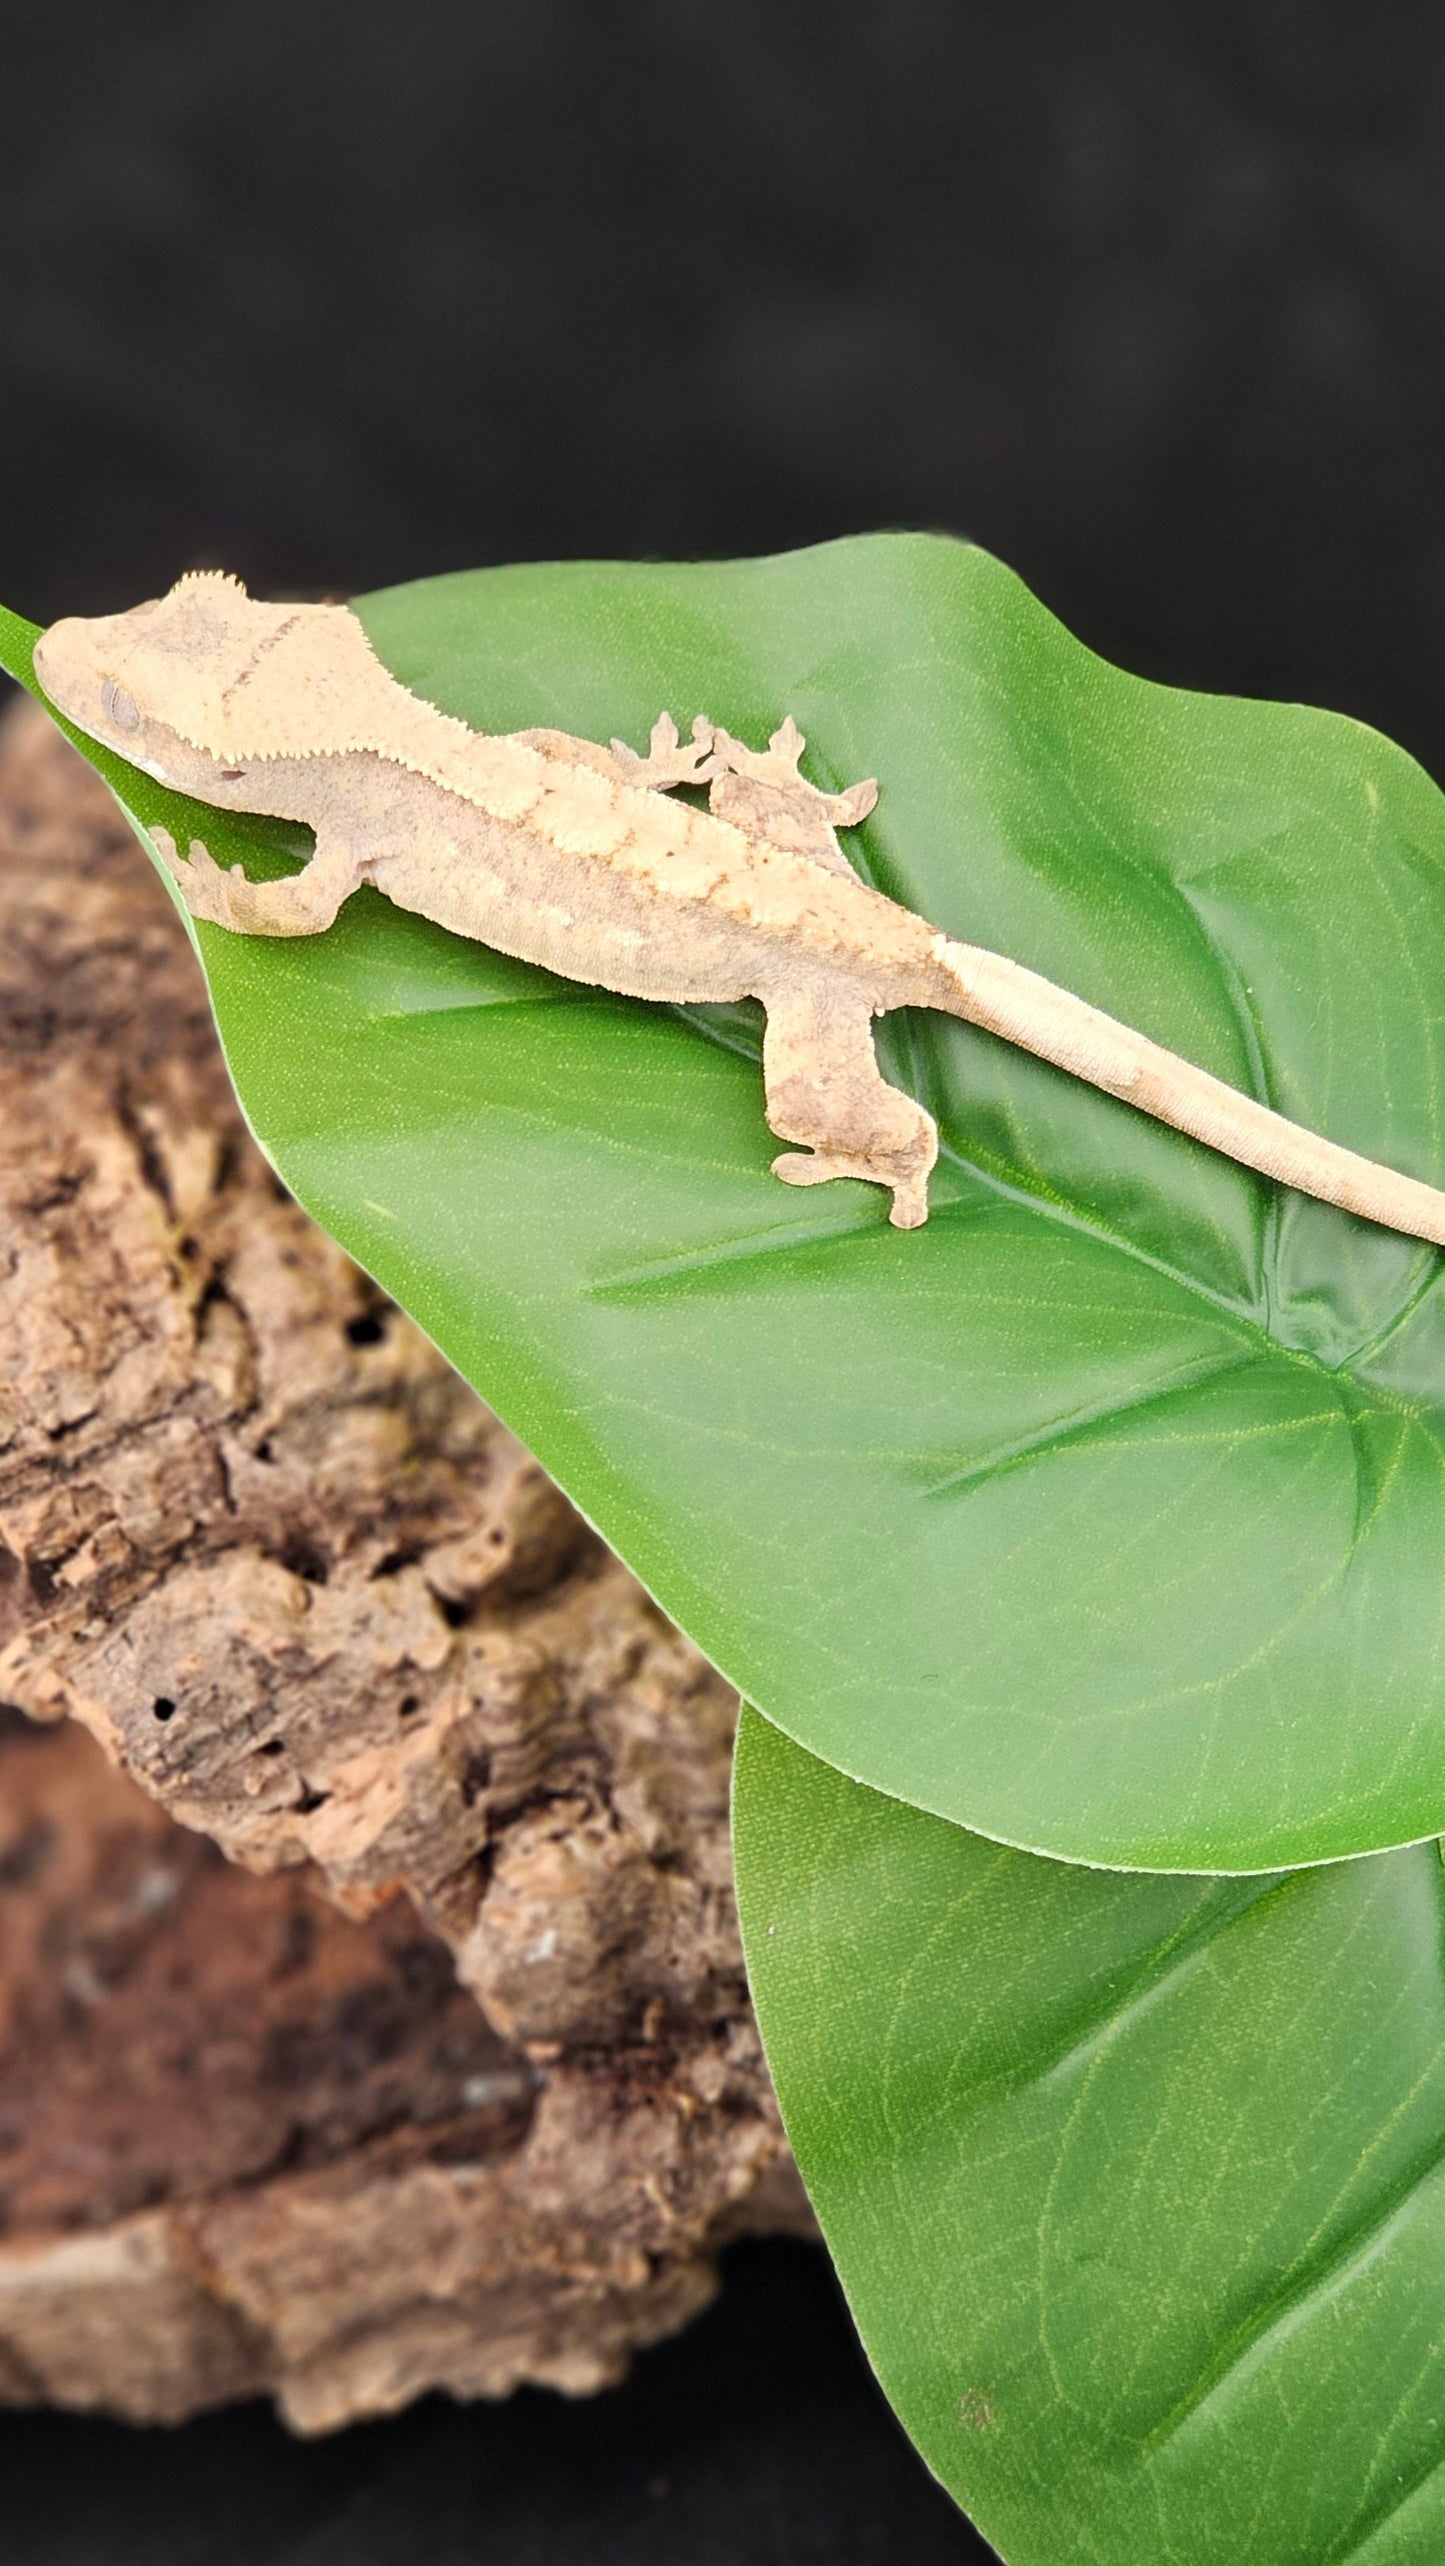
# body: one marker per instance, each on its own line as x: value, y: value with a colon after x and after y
x: 118, y: 707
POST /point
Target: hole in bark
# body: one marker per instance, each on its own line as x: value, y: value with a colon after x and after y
x: 367, y: 1329
x: 476, y: 1774
x: 304, y: 1560
x: 163, y: 1707
x: 273, y: 1746
x: 405, y: 1556
x: 409, y: 1702
x: 454, y: 1612
x: 311, y: 1800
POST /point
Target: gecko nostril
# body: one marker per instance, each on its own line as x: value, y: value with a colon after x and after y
x: 119, y: 707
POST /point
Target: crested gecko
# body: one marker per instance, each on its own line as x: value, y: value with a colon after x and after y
x: 571, y: 855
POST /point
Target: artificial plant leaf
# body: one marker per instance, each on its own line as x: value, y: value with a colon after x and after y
x: 1104, y: 1514
x: 1136, y: 2184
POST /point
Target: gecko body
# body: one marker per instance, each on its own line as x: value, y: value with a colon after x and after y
x: 575, y: 857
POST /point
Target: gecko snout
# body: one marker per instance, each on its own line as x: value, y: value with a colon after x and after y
x: 67, y: 667
x: 75, y: 662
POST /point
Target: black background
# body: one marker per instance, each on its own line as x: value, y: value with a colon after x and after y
x: 755, y: 2440
x: 1147, y: 298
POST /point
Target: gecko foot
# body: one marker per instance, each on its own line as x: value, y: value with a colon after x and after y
x: 228, y: 899
x: 207, y: 891
x: 779, y: 765
x: 666, y: 763
x: 818, y: 1167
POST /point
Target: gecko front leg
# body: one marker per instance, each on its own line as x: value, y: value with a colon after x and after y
x: 303, y: 904
x: 825, y: 1088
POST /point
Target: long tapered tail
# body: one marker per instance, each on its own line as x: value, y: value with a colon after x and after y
x: 1025, y: 1009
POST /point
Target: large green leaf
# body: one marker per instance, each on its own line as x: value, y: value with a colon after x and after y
x: 1136, y: 2185
x: 1105, y: 1514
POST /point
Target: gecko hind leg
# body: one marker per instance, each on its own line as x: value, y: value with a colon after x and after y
x: 825, y: 1089
x: 667, y: 763
x: 764, y: 793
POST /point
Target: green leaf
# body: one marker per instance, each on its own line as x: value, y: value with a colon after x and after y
x: 1136, y: 2185
x: 1105, y: 1514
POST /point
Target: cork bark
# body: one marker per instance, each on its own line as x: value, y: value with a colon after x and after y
x: 446, y: 2076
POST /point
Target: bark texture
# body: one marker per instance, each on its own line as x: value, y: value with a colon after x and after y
x: 316, y: 1601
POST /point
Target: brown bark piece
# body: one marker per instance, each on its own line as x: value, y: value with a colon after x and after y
x: 322, y: 1607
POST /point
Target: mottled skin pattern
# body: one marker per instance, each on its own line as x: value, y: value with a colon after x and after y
x: 572, y: 856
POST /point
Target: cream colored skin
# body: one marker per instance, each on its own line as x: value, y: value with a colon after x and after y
x: 572, y: 856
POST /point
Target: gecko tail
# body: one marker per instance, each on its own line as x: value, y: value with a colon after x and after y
x: 1022, y: 1007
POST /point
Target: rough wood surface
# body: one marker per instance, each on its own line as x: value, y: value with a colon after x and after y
x: 324, y: 1610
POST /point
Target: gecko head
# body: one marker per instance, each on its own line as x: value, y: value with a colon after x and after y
x: 193, y: 685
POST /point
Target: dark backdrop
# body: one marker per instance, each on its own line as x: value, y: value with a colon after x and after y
x: 1146, y: 297
x: 1149, y: 298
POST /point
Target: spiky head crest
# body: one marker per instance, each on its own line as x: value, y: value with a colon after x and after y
x: 235, y: 677
x: 215, y: 578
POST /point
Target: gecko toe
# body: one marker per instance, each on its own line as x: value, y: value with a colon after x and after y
x: 800, y: 1167
x: 910, y: 1208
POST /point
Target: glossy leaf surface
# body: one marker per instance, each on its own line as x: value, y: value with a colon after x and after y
x: 1105, y: 1514
x: 1136, y: 2185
